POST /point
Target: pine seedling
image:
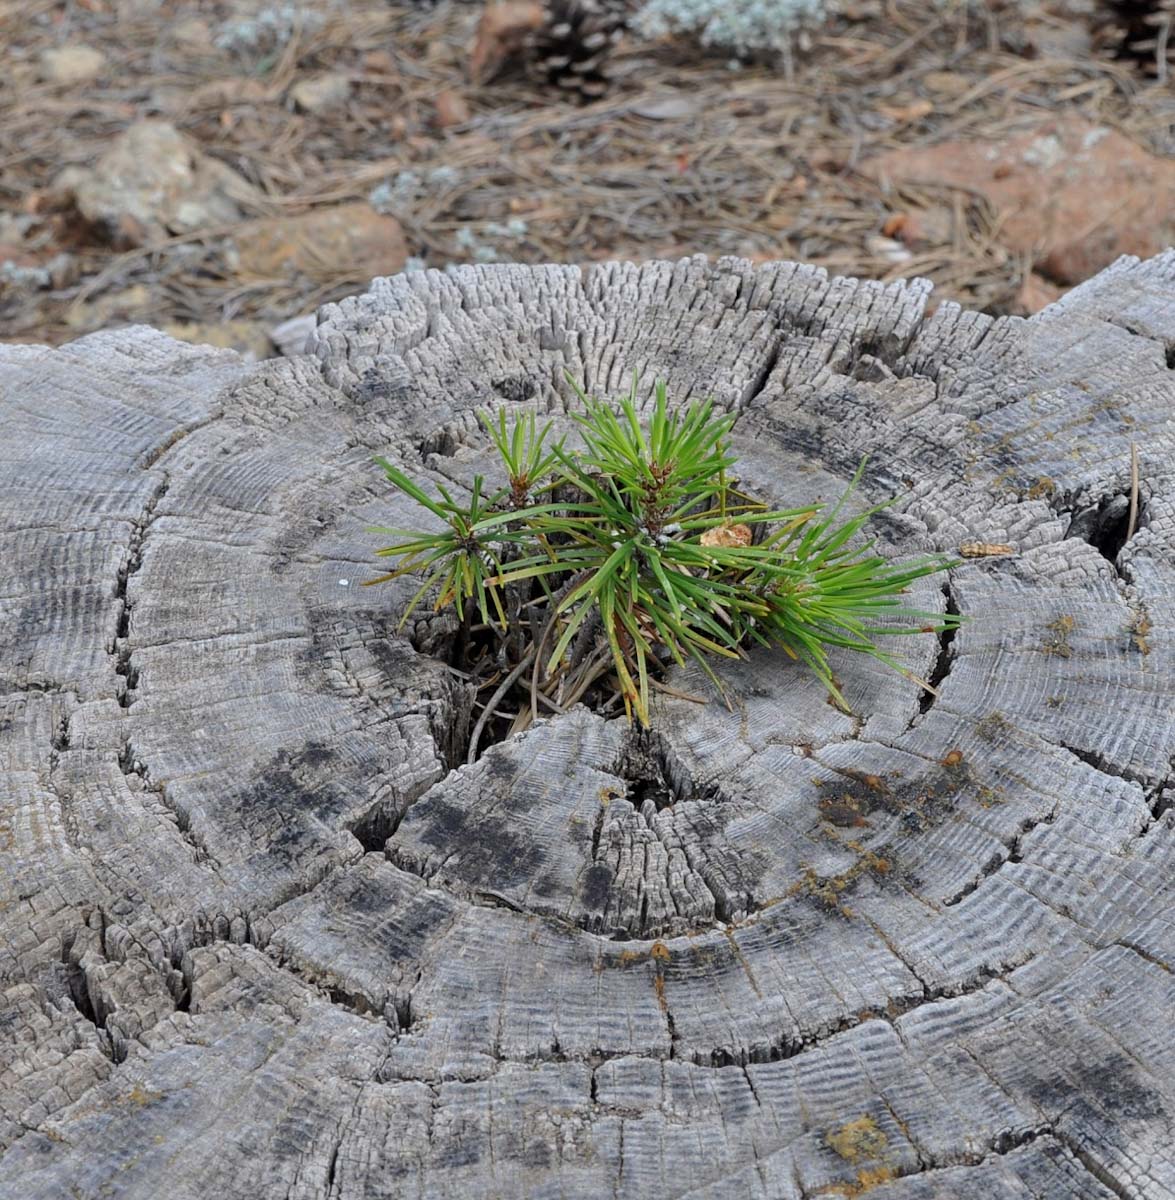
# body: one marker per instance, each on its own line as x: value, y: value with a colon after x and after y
x: 635, y: 552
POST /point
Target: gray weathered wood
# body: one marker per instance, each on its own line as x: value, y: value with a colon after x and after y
x: 261, y: 938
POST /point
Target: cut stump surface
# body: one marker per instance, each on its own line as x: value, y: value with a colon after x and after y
x: 261, y: 938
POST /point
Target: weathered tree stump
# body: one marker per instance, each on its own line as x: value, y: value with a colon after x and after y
x: 260, y: 939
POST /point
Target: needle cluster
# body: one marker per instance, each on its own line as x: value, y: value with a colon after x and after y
x: 595, y: 569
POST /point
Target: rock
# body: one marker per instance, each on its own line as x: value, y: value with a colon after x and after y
x: 1036, y: 293
x: 452, y: 108
x: 153, y: 182
x: 321, y: 93
x: 24, y: 271
x: 671, y: 107
x: 350, y: 240
x: 249, y: 338
x: 380, y: 62
x: 501, y: 35
x: 946, y: 83
x: 888, y: 249
x: 111, y: 308
x: 192, y: 31
x: 902, y: 114
x: 290, y: 337
x: 1073, y: 196
x: 920, y: 227
x: 72, y: 64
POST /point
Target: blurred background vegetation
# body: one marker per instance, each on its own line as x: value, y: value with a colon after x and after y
x: 218, y: 168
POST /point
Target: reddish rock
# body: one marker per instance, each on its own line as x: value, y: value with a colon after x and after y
x: 1073, y: 196
x: 1036, y: 293
x: 452, y: 108
x: 919, y: 227
x: 321, y: 93
x: 350, y: 239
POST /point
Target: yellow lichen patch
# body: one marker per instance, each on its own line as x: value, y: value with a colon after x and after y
x: 142, y: 1096
x: 871, y: 1177
x: 660, y: 951
x: 858, y: 1140
x: 1140, y: 627
x: 1043, y: 487
x: 827, y: 889
x: 1057, y: 640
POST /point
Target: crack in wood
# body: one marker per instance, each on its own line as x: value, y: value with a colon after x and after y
x: 1091, y: 1164
x: 138, y: 777
x: 998, y: 861
x: 944, y: 658
x: 122, y: 651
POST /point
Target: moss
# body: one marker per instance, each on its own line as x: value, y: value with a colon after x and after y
x: 1057, y: 639
x: 989, y: 797
x: 995, y: 727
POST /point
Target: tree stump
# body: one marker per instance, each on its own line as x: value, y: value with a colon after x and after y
x: 262, y: 937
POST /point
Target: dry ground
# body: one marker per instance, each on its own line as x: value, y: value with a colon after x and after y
x: 685, y: 154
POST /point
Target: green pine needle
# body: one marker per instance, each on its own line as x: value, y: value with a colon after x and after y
x: 637, y: 551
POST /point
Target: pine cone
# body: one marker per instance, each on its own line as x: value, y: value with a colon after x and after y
x: 1140, y: 30
x: 564, y: 43
x: 571, y: 49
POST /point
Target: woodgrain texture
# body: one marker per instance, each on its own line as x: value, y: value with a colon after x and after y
x: 260, y: 939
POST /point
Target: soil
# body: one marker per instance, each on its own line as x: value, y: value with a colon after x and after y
x: 685, y: 153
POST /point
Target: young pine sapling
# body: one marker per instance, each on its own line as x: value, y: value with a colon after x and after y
x: 595, y: 569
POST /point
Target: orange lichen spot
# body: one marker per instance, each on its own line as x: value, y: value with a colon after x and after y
x: 629, y: 956
x: 985, y: 549
x: 727, y: 535
x: 858, y: 1140
x: 953, y: 758
x: 659, y: 951
x: 659, y: 988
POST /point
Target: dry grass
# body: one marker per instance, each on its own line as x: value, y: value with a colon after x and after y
x: 749, y: 162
